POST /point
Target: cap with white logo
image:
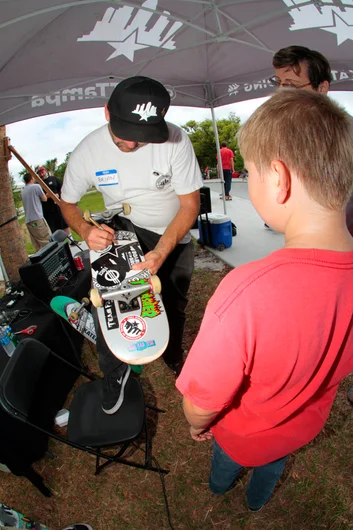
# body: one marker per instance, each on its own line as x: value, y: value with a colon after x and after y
x: 137, y: 108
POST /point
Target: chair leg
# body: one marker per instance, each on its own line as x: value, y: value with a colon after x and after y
x: 37, y: 481
x: 99, y: 467
x: 156, y: 409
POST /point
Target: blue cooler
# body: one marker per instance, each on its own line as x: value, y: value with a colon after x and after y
x: 215, y: 230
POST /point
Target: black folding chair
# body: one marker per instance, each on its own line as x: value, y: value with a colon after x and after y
x: 25, y: 395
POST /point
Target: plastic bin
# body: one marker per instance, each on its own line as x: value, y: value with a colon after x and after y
x: 215, y: 230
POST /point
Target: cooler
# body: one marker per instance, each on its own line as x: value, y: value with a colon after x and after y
x: 215, y: 230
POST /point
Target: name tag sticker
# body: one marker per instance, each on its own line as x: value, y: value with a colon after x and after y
x: 107, y: 177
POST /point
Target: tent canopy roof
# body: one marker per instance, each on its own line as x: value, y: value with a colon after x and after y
x: 59, y: 55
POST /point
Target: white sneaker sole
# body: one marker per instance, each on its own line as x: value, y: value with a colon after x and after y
x: 121, y: 397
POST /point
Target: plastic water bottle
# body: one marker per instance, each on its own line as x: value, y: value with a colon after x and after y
x: 8, y: 340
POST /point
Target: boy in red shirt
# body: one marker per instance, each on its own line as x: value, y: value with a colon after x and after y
x: 277, y: 336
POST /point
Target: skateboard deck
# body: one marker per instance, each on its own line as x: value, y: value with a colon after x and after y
x: 131, y: 314
x: 11, y: 518
x: 67, y: 307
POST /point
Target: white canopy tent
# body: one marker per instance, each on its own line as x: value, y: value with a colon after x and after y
x: 60, y: 55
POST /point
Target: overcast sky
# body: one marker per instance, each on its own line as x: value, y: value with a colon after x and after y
x: 40, y: 139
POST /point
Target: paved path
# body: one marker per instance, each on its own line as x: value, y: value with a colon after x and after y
x: 253, y: 240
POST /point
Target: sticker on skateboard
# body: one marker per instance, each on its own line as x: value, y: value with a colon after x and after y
x: 76, y: 314
x: 80, y: 319
x: 130, y: 310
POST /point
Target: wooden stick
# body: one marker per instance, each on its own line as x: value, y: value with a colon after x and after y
x: 7, y: 152
x: 34, y: 175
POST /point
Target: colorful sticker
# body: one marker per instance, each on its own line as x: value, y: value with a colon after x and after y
x: 133, y: 327
x: 142, y: 345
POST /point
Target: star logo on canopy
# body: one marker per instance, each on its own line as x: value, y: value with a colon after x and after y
x: 128, y: 47
x: 343, y: 30
x: 336, y: 18
x: 129, y: 29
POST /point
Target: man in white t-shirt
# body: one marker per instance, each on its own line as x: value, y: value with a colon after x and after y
x: 140, y: 159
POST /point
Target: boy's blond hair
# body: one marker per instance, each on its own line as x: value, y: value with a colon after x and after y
x: 312, y: 135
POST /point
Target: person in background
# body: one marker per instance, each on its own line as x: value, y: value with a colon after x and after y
x: 265, y: 387
x: 51, y: 211
x: 301, y: 68
x: 227, y: 157
x: 33, y: 197
x: 141, y: 159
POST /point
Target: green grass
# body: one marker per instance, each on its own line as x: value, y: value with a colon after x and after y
x: 91, y: 201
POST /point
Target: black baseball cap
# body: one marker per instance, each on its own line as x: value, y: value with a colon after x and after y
x: 137, y: 108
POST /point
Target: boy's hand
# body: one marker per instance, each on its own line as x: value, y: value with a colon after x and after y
x: 154, y: 261
x: 98, y: 239
x: 200, y: 435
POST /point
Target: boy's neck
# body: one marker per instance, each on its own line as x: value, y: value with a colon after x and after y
x: 322, y: 230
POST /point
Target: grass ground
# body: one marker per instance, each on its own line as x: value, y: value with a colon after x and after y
x: 91, y: 201
x: 315, y: 493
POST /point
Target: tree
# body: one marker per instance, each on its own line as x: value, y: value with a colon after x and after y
x: 16, y: 194
x: 60, y: 171
x: 13, y: 251
x: 51, y: 166
x: 203, y: 140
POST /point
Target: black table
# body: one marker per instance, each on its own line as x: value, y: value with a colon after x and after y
x: 21, y: 445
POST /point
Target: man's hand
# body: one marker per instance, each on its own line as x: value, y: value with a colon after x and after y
x: 154, y: 261
x: 97, y: 239
x: 200, y: 435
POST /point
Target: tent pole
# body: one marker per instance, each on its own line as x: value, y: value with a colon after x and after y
x: 219, y: 159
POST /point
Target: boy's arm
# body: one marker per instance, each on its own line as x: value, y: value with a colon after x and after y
x: 199, y: 420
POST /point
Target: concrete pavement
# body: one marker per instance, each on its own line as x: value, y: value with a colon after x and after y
x: 253, y: 241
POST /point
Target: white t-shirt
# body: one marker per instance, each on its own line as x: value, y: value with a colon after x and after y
x: 149, y: 179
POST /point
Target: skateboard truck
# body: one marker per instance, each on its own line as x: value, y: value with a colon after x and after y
x: 74, y: 315
x: 107, y: 215
x: 125, y: 293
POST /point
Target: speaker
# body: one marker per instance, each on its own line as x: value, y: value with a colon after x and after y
x: 205, y: 202
x: 48, y: 270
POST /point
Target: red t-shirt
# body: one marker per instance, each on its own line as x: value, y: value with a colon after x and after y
x: 226, y: 156
x: 275, y: 341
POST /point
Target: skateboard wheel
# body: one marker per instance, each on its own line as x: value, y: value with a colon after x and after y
x: 126, y: 209
x: 73, y: 315
x: 87, y: 215
x: 86, y: 300
x: 156, y: 284
x: 96, y: 298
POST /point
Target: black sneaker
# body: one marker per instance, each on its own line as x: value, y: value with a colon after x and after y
x: 176, y: 368
x: 113, y: 392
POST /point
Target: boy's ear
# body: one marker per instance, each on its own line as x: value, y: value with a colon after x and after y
x: 282, y: 181
x: 106, y: 112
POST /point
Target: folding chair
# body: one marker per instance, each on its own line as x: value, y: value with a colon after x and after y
x: 26, y: 395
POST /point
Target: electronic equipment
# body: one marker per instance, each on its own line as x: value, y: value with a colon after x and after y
x: 48, y: 270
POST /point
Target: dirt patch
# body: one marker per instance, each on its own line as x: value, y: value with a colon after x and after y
x: 204, y: 259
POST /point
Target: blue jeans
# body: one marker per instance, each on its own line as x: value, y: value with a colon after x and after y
x: 227, y: 175
x: 224, y: 472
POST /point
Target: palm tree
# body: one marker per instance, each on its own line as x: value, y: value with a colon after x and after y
x: 51, y: 166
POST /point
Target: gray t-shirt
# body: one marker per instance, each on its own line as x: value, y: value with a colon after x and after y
x: 32, y: 204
